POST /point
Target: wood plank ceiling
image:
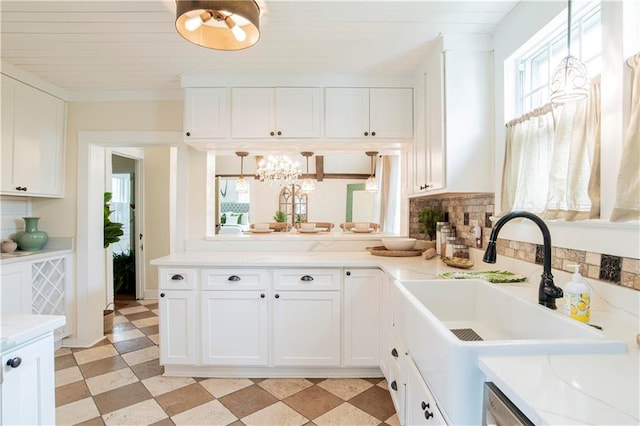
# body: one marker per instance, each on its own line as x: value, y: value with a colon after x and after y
x: 120, y: 45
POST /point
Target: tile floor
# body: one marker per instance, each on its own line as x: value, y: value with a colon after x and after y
x: 119, y: 382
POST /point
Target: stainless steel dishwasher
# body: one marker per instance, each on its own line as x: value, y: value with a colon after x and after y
x: 498, y: 410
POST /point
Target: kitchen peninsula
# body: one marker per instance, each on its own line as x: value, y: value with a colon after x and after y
x: 276, y: 280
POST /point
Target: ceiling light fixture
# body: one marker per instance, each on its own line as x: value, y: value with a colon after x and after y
x: 570, y: 81
x: 372, y: 184
x: 222, y: 25
x: 279, y: 169
x: 242, y: 185
x: 307, y: 184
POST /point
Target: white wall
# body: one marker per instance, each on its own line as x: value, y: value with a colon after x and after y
x: 12, y: 210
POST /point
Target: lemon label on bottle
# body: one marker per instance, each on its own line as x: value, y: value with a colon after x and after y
x: 580, y: 306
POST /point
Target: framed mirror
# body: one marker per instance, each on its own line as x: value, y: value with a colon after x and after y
x: 294, y: 203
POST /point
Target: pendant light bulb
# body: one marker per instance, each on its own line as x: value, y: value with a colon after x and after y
x: 242, y: 185
x: 194, y: 23
x: 237, y: 32
x: 308, y: 184
x: 372, y: 184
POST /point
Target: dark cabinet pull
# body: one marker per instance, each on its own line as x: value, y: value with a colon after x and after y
x: 188, y: 133
x: 424, y: 405
x: 161, y: 294
x: 348, y: 273
x: 366, y: 133
x: 262, y: 296
x: 306, y: 278
x: 277, y: 296
x: 394, y: 352
x: 177, y: 277
x: 373, y: 133
x: 394, y: 385
x: 279, y: 133
x: 14, y: 362
x: 428, y: 415
x: 21, y: 188
x: 425, y: 186
x: 272, y: 133
x: 233, y: 278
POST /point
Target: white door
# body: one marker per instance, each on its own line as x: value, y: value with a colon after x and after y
x: 206, y: 113
x: 253, y: 113
x: 420, y: 405
x: 298, y: 112
x: 347, y: 113
x: 434, y: 125
x: 361, y: 317
x: 234, y: 327
x: 391, y: 113
x: 177, y: 318
x: 306, y: 328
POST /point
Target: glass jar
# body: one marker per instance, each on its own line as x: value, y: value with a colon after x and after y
x: 445, y: 232
x: 439, y: 226
x: 451, y: 241
x: 461, y: 251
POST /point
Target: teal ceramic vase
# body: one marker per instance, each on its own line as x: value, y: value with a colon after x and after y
x: 31, y: 239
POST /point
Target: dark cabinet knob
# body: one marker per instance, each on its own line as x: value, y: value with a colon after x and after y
x: 424, y: 405
x: 373, y: 133
x: 279, y: 133
x: 366, y: 133
x: 188, y: 133
x: 14, y: 362
x: 394, y: 352
x: 277, y: 296
x: 348, y: 273
x: 161, y: 294
x: 428, y: 415
x: 272, y: 133
x: 21, y: 188
x: 177, y: 277
x: 394, y: 385
x: 262, y: 296
x: 425, y: 186
x: 233, y: 278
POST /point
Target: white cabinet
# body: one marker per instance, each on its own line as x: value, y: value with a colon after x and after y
x: 234, y: 327
x: 453, y: 150
x: 396, y: 375
x: 421, y: 408
x: 206, y: 114
x: 28, y: 387
x: 267, y: 113
x: 380, y: 113
x: 16, y: 288
x: 306, y: 328
x: 33, y: 124
x: 177, y: 316
x: 361, y: 331
x: 384, y: 309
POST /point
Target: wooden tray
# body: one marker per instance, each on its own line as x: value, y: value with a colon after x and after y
x: 458, y: 262
x: 382, y: 251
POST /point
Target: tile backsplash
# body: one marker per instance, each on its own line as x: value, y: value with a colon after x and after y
x: 464, y: 211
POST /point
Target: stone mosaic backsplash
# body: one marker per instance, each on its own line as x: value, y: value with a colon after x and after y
x: 464, y: 211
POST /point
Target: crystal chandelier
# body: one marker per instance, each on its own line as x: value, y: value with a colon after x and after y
x: 279, y: 169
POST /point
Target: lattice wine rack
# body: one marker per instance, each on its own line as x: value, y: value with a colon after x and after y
x: 48, y: 288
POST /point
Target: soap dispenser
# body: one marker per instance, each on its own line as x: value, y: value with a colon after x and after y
x: 577, y: 295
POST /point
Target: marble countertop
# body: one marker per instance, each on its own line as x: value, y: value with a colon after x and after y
x: 18, y: 329
x: 555, y: 389
x: 29, y: 256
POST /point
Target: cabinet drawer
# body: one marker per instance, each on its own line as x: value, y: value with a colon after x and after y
x: 177, y: 279
x: 235, y: 279
x: 307, y: 279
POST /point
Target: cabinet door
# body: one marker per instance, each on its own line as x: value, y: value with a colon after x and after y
x: 361, y: 317
x: 253, y: 113
x: 298, y: 112
x: 434, y: 125
x: 177, y: 326
x: 346, y: 113
x: 420, y: 404
x: 391, y: 113
x: 385, y: 323
x: 306, y: 328
x: 33, y: 145
x: 28, y: 390
x: 16, y: 288
x: 206, y: 113
x: 234, y: 327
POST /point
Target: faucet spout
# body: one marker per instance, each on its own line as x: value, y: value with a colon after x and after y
x: 547, y: 291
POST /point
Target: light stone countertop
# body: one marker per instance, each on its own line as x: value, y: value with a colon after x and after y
x: 18, y: 329
x: 555, y: 389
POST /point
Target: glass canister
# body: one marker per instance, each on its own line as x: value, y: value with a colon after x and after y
x: 445, y: 232
x: 439, y: 226
x: 451, y: 241
x: 461, y: 251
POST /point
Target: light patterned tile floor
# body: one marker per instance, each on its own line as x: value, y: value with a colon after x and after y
x: 119, y: 381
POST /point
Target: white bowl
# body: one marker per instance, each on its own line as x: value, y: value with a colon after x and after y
x: 398, y: 243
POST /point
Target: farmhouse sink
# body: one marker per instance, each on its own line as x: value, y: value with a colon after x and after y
x: 447, y: 324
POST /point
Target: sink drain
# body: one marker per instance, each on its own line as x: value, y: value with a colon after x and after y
x: 466, y: 334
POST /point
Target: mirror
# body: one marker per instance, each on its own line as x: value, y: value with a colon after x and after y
x: 294, y: 203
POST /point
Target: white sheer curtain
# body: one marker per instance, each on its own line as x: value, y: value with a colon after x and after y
x: 387, y: 201
x: 627, y: 205
x: 552, y: 164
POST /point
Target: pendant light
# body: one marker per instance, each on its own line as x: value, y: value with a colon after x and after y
x: 242, y: 185
x: 221, y: 25
x: 307, y: 184
x: 570, y: 80
x: 372, y: 184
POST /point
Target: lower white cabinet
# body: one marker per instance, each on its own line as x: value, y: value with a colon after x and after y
x: 177, y: 326
x: 16, y: 288
x: 361, y: 319
x: 421, y: 408
x: 306, y: 328
x: 234, y: 327
x: 28, y: 384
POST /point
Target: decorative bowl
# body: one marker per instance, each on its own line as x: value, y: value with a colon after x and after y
x: 398, y: 243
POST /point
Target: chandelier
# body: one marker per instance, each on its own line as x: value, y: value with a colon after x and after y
x: 279, y: 169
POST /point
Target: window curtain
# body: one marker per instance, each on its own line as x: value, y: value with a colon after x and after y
x: 552, y: 160
x: 627, y: 206
x: 387, y: 200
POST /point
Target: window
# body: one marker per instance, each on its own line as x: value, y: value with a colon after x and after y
x: 537, y: 64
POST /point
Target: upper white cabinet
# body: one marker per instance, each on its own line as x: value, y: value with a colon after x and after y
x: 453, y: 150
x: 33, y: 124
x: 206, y: 113
x: 381, y: 113
x: 264, y: 113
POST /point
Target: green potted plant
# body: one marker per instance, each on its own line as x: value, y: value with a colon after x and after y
x: 428, y: 218
x: 111, y: 234
x: 280, y: 216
